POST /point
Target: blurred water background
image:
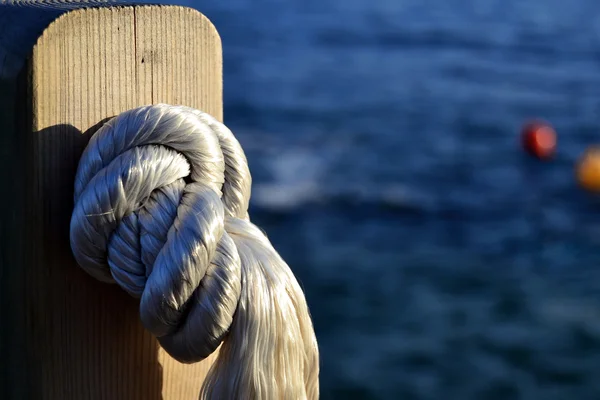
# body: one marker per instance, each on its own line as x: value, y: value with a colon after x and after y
x: 439, y: 262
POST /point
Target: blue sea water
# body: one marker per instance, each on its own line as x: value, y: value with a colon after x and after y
x: 439, y: 262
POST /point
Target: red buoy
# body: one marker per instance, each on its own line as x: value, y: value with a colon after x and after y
x: 539, y: 139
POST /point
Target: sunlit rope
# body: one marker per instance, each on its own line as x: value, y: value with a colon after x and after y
x: 161, y: 200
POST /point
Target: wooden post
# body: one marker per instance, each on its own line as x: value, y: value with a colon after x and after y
x: 65, y: 335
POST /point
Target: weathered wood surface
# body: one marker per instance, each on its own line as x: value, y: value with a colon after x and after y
x: 22, y: 21
x: 64, y: 335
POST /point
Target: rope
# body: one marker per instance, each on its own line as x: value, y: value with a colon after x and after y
x: 161, y: 200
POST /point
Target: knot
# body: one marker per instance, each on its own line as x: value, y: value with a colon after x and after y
x: 161, y: 209
x: 153, y: 190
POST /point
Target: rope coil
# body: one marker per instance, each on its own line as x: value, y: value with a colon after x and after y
x: 161, y: 200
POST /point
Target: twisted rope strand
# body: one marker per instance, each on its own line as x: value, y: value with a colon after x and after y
x: 161, y: 209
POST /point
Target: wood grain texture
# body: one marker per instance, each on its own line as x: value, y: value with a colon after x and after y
x: 81, y: 339
x: 22, y: 21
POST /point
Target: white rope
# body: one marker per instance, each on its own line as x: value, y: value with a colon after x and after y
x: 161, y: 199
